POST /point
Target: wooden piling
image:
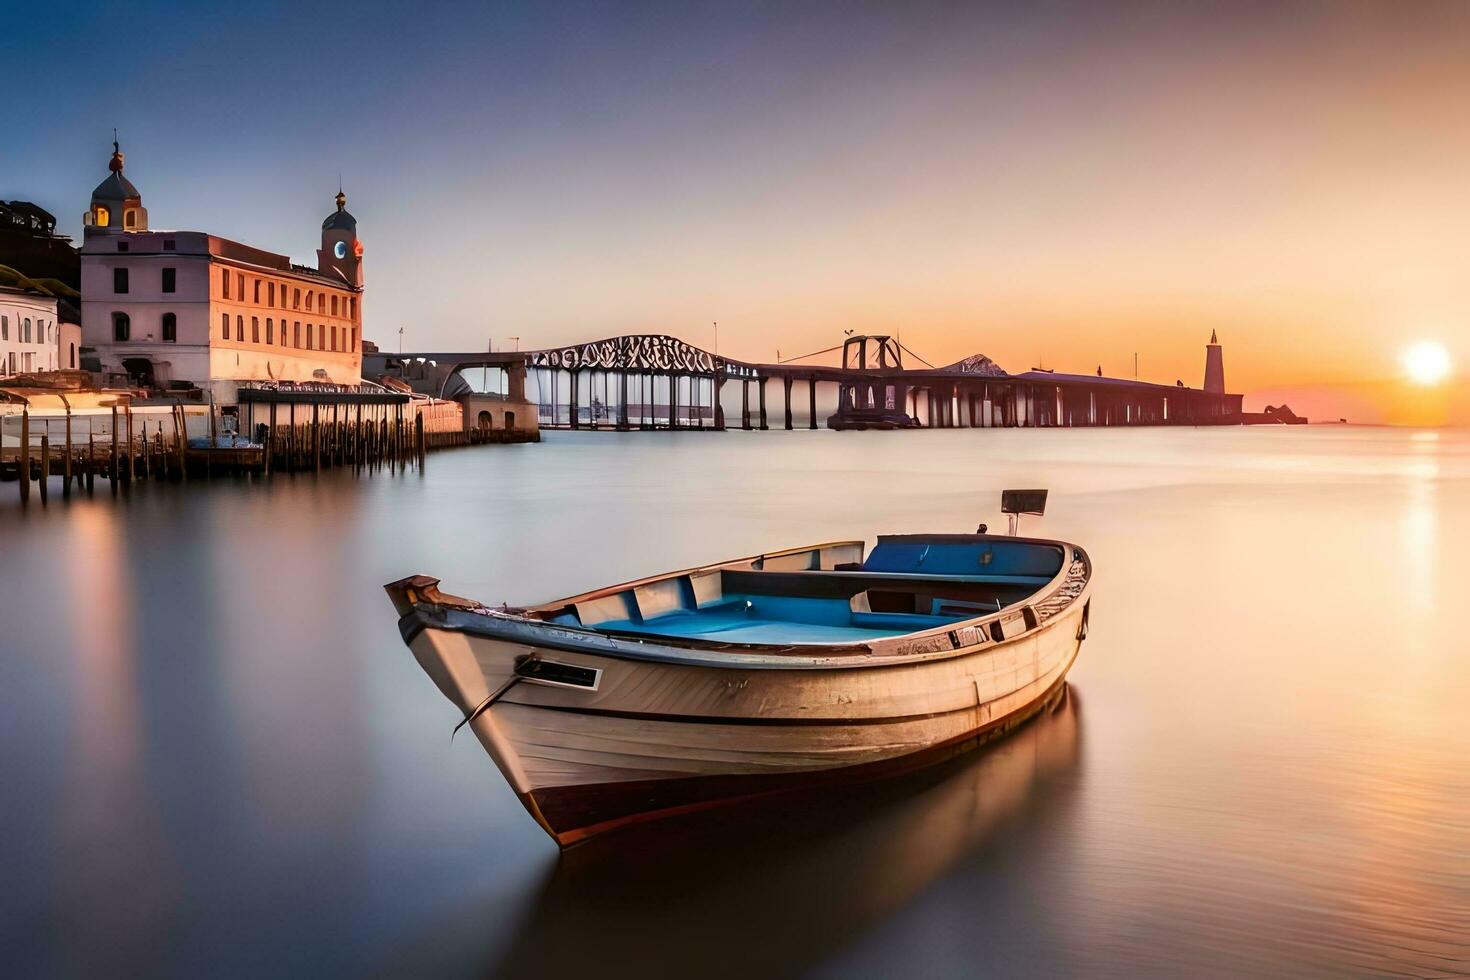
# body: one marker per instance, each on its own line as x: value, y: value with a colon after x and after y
x: 270, y: 440
x: 181, y: 432
x: 128, y: 471
x: 25, y: 456
x: 208, y: 456
x: 45, y: 465
x: 418, y: 436
x: 113, y: 458
x: 66, y: 460
x: 91, y: 467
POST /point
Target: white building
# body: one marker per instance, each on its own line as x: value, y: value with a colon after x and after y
x: 29, y: 333
x: 187, y: 306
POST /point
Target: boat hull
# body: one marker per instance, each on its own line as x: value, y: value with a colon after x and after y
x: 658, y: 737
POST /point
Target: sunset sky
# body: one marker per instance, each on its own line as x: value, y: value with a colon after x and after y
x: 1050, y: 184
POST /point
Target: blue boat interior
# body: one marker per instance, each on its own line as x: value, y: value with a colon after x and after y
x: 907, y: 584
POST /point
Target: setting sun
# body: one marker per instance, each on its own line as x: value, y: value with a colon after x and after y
x: 1426, y: 362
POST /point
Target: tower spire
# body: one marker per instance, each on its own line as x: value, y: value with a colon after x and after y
x: 116, y: 163
x: 1214, y: 366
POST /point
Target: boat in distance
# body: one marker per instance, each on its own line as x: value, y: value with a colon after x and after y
x: 757, y: 675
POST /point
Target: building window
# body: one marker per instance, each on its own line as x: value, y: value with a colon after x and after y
x: 321, y: 303
x: 239, y: 328
x: 73, y: 362
x: 270, y: 326
x: 296, y: 340
x: 168, y: 244
x: 169, y: 279
x: 224, y: 326
x: 101, y: 217
x: 170, y: 328
x: 270, y: 294
x: 119, y: 280
x: 25, y: 331
x: 130, y: 218
x: 4, y: 328
x: 352, y: 307
x: 334, y: 306
x: 308, y: 301
x: 257, y: 291
x: 240, y: 284
x: 309, y: 345
x: 283, y: 296
x: 122, y: 327
x: 295, y: 299
x: 224, y: 279
x: 353, y: 332
x: 122, y: 246
x: 255, y: 330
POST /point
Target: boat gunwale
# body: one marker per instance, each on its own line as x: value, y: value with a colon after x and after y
x: 934, y: 643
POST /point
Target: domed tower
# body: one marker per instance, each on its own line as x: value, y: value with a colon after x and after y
x: 341, y: 251
x: 116, y: 203
x: 1214, y: 366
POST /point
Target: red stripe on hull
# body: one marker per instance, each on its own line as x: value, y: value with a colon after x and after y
x: 576, y: 813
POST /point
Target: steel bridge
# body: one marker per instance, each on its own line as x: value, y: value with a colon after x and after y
x: 655, y: 381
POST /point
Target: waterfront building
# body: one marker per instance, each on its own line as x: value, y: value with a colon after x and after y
x: 179, y: 309
x: 1214, y: 366
x: 497, y: 411
x: 30, y: 333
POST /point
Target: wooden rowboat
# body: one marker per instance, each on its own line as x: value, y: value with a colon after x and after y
x: 757, y: 675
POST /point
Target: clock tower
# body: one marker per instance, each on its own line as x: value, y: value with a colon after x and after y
x: 341, y: 251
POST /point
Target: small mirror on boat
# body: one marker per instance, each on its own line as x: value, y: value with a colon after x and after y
x: 1014, y: 503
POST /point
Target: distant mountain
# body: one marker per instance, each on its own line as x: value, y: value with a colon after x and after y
x: 978, y: 364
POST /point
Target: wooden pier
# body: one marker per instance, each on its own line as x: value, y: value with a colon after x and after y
x: 124, y: 445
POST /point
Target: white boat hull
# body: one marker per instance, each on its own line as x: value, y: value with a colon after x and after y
x: 656, y: 737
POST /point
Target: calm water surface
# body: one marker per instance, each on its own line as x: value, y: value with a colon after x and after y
x: 219, y: 759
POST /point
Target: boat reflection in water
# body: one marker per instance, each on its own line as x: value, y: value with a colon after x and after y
x: 777, y: 886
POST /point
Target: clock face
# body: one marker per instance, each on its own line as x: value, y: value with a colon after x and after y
x: 340, y: 250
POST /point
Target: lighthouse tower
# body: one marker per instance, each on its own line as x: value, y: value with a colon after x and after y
x: 1214, y: 366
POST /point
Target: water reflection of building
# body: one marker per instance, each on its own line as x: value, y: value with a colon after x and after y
x: 182, y: 308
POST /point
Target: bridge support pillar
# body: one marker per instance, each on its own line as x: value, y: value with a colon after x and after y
x: 745, y: 404
x: 812, y: 402
x: 787, y: 385
x: 717, y: 387
x: 762, y: 383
